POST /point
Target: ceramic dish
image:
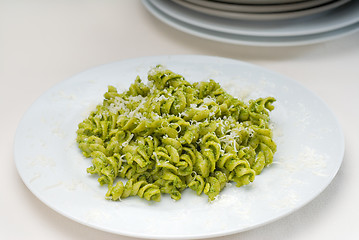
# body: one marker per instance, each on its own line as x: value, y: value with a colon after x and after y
x: 258, y: 8
x: 259, y: 2
x: 263, y: 16
x: 310, y: 147
x: 252, y: 40
x: 343, y: 16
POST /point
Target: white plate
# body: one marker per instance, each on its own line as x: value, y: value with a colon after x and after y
x: 263, y: 16
x: 341, y: 17
x: 309, y: 141
x: 248, y: 39
x: 258, y: 8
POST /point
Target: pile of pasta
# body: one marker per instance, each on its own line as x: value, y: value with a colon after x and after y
x: 169, y: 135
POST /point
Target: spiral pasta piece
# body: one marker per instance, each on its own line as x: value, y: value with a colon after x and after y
x: 133, y: 187
x: 167, y: 135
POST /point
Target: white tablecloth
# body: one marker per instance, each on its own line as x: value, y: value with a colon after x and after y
x: 45, y: 42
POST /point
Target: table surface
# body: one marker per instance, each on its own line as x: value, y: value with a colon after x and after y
x: 45, y: 42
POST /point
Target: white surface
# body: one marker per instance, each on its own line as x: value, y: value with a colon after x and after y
x: 161, y: 14
x: 309, y: 140
x: 341, y: 17
x: 44, y: 42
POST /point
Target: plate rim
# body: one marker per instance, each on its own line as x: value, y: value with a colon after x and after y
x: 295, y: 6
x: 246, y: 16
x: 259, y: 2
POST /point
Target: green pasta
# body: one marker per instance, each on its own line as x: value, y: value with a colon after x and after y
x: 169, y: 135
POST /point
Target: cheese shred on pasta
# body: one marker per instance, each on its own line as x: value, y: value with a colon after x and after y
x: 169, y: 135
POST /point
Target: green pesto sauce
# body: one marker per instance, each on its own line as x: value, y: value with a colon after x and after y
x: 169, y: 135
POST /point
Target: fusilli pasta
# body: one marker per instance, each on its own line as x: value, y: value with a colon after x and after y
x: 169, y: 135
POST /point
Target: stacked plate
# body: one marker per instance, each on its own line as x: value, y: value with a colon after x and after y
x: 260, y: 22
